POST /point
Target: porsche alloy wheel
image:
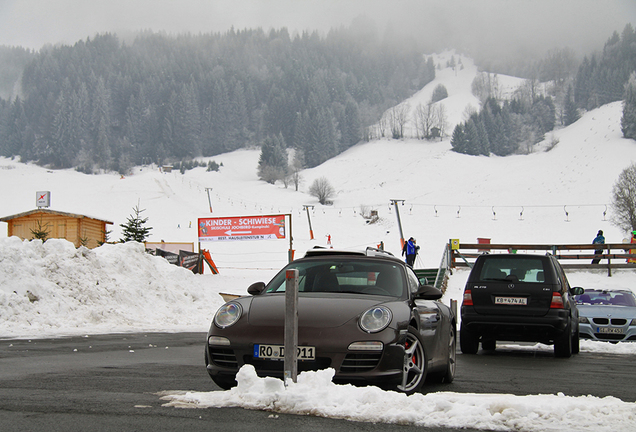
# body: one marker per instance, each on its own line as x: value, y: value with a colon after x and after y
x: 414, y: 368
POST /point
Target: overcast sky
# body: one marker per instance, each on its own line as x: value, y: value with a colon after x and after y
x: 525, y: 25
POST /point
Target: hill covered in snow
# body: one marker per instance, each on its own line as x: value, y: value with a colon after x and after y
x: 548, y: 197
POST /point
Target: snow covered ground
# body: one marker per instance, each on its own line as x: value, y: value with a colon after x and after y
x: 52, y: 289
x: 315, y: 394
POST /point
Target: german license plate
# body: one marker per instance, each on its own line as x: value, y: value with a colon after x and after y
x: 609, y: 330
x: 278, y: 352
x: 511, y: 300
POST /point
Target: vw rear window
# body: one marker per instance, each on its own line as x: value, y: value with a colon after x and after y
x: 513, y: 269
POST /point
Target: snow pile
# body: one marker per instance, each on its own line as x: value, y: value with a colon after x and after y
x: 315, y: 394
x: 52, y: 288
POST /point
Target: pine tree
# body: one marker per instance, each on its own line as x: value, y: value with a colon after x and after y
x: 101, y: 122
x: 237, y: 117
x: 484, y: 143
x: 439, y: 93
x: 134, y: 229
x: 458, y: 140
x: 628, y: 121
x: 272, y: 164
x: 498, y: 140
x: 351, y: 125
x: 471, y: 134
x: 571, y: 113
x: 41, y: 231
x: 511, y: 125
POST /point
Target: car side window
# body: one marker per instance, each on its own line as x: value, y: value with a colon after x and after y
x: 414, y: 282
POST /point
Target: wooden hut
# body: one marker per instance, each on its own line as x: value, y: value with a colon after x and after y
x: 78, y: 229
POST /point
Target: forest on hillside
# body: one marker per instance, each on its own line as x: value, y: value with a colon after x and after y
x: 514, y: 126
x: 102, y: 104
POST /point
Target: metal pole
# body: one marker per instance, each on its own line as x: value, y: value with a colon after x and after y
x: 397, y: 212
x: 290, y: 255
x: 209, y: 200
x: 311, y: 231
x: 290, y: 366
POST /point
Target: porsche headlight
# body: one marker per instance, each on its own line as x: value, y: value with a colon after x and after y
x: 228, y: 314
x: 375, y: 319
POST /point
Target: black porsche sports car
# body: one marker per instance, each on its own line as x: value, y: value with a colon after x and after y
x: 364, y: 313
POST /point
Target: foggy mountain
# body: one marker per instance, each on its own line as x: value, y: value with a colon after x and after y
x: 475, y: 27
x: 132, y: 95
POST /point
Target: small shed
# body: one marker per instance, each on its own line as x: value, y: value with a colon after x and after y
x: 79, y: 229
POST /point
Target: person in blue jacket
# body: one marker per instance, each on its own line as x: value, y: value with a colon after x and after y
x: 599, y: 239
x: 411, y: 251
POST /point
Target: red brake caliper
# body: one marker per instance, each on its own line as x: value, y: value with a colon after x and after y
x: 407, y: 345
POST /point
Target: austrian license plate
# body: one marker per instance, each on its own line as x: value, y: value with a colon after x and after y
x: 511, y: 300
x: 609, y: 330
x: 278, y: 352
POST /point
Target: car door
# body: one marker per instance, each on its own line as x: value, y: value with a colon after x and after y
x: 431, y: 320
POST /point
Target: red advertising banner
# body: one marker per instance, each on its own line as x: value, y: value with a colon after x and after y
x: 242, y: 228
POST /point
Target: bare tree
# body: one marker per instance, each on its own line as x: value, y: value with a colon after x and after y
x: 382, y: 126
x: 398, y: 118
x: 558, y: 66
x: 486, y: 86
x: 423, y: 120
x: 322, y: 189
x: 270, y: 174
x: 469, y: 111
x: 528, y: 91
x: 624, y: 199
x: 440, y: 120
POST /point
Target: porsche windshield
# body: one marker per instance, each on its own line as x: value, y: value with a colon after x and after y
x: 344, y: 276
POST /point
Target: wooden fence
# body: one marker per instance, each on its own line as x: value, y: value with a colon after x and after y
x: 572, y: 256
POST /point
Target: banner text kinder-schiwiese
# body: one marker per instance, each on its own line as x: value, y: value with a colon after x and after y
x: 242, y: 228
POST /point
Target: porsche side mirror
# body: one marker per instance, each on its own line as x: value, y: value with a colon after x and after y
x: 428, y: 292
x: 256, y: 288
